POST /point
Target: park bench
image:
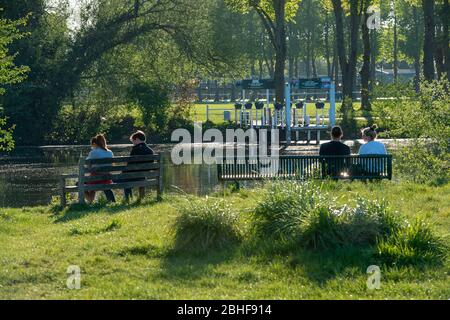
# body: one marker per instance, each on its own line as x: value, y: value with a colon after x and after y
x: 376, y: 167
x: 125, y: 172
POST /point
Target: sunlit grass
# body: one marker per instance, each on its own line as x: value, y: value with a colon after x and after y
x: 124, y: 251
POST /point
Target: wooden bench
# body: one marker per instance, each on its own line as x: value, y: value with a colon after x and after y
x: 143, y: 171
x: 307, y: 167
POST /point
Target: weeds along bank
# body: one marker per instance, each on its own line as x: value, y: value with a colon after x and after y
x: 283, y: 240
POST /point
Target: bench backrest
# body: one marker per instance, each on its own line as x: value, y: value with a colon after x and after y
x: 307, y: 167
x: 120, y: 168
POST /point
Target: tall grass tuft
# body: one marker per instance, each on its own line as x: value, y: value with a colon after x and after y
x: 205, y: 224
x: 279, y: 214
x: 414, y: 244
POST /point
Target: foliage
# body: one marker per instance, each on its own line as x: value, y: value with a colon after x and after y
x: 6, y: 137
x: 154, y: 104
x: 9, y: 72
x: 302, y: 214
x: 206, y: 224
x: 267, y: 5
x: 414, y: 244
x: 281, y: 211
x: 135, y: 260
x: 77, y: 124
x: 424, y: 119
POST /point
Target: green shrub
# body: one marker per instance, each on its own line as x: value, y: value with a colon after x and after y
x: 422, y: 117
x: 321, y: 229
x: 328, y: 227
x: 423, y: 162
x: 205, y: 224
x: 368, y: 221
x: 413, y: 244
x: 303, y: 213
x: 279, y: 213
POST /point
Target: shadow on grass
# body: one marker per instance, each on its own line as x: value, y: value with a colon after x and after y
x: 318, y: 266
x: 76, y: 211
x: 190, y: 266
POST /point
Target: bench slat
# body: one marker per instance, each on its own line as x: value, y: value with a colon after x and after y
x: 124, y: 159
x: 129, y: 167
x: 100, y: 187
x: 122, y: 176
x: 135, y: 184
x: 310, y: 167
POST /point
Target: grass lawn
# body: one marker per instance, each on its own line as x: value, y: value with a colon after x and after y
x: 216, y: 114
x: 124, y: 251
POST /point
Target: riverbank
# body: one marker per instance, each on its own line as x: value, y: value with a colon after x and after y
x: 124, y: 253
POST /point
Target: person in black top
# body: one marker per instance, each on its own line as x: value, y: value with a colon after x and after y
x: 335, y: 147
x: 140, y: 148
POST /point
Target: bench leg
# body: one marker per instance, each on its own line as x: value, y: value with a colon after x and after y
x: 63, y: 192
x: 142, y: 192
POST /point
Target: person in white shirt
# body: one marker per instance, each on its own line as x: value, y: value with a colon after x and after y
x: 372, y: 147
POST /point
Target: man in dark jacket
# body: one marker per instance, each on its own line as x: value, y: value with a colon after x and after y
x: 333, y: 167
x: 140, y: 148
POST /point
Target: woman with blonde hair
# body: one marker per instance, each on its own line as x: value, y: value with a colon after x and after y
x: 371, y: 147
x: 99, y: 151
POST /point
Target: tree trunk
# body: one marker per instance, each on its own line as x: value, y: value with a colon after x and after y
x: 365, y: 70
x: 373, y: 58
x: 429, y: 39
x: 327, y: 45
x: 348, y: 67
x: 395, y: 55
x: 417, y: 50
x: 280, y: 48
x: 445, y: 43
x: 308, y: 55
x: 277, y: 33
x: 442, y: 41
x: 291, y: 67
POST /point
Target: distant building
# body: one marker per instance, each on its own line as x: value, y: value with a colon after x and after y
x: 387, y: 75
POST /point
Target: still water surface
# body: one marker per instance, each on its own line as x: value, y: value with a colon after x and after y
x: 29, y: 176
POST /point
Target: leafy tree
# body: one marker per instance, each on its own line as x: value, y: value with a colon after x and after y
x: 347, y: 56
x: 273, y: 14
x: 9, y: 73
x: 60, y: 58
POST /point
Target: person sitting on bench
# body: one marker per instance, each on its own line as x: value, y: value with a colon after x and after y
x: 372, y: 147
x: 140, y: 148
x: 99, y: 151
x: 334, y: 148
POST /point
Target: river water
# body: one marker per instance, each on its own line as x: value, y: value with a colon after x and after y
x: 29, y: 176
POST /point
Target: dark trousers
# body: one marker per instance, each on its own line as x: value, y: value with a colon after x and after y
x: 109, y: 195
x: 129, y: 193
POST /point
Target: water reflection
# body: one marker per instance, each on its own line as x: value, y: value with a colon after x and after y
x: 30, y: 176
